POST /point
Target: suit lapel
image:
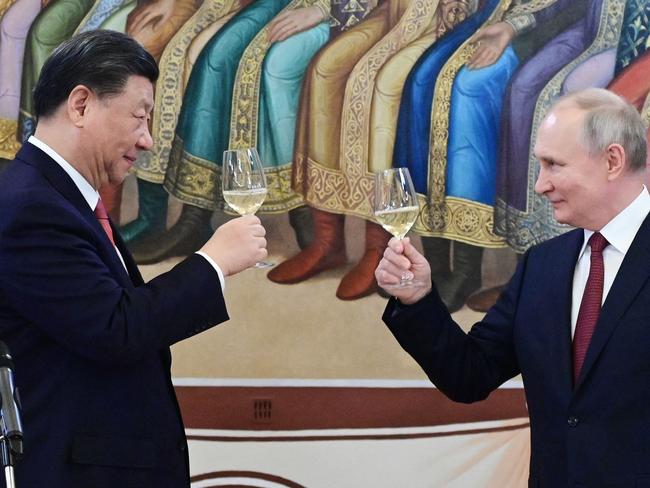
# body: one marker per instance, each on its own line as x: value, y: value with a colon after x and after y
x: 62, y: 182
x: 632, y: 275
x: 131, y: 266
x: 559, y: 271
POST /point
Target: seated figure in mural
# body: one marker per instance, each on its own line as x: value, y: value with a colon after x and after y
x: 264, y: 49
x: 521, y: 217
x: 176, y: 65
x: 453, y: 155
x: 51, y: 27
x: 152, y: 24
x: 14, y: 26
x: 346, y: 128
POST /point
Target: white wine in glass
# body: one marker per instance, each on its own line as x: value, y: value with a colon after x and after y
x: 244, y: 184
x: 396, y: 206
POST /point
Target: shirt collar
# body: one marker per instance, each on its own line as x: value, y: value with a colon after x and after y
x: 621, y: 230
x: 87, y: 191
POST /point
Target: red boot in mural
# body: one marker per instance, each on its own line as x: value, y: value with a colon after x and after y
x: 327, y: 251
x: 360, y: 281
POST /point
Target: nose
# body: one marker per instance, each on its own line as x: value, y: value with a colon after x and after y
x: 543, y: 184
x: 146, y: 141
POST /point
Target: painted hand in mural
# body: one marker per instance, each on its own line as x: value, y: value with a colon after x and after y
x: 491, y: 42
x: 237, y: 245
x: 291, y: 22
x: 400, y: 261
x: 153, y: 15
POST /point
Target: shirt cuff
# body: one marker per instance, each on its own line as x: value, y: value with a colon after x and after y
x: 216, y: 268
x: 521, y: 23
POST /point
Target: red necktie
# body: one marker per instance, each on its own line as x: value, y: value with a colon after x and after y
x: 590, y: 305
x: 102, y: 216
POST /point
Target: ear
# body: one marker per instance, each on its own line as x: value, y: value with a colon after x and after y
x: 78, y: 102
x: 616, y: 161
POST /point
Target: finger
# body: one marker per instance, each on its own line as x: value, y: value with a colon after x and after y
x: 385, y: 278
x: 394, y: 269
x: 397, y: 260
x: 411, y: 253
x: 140, y: 20
x: 478, y: 54
x: 156, y: 21
x: 278, y: 24
x: 396, y: 245
x: 482, y: 59
x: 283, y: 32
x: 253, y: 219
x: 283, y: 15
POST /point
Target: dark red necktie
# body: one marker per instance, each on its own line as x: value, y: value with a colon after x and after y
x: 591, y: 303
x: 102, y: 216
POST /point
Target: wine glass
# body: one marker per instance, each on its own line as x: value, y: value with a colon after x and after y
x: 396, y: 207
x: 244, y: 184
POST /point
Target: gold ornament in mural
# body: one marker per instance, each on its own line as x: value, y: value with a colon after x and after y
x: 9, y: 146
x: 458, y: 219
x: 529, y: 7
x: 4, y: 6
x: 353, y: 6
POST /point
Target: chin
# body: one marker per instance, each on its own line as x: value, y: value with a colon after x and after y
x: 560, y: 218
x: 117, y: 179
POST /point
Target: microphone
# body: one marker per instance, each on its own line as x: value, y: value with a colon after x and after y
x: 12, y: 429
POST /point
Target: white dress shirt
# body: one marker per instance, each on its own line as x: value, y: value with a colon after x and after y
x: 92, y: 196
x: 619, y: 232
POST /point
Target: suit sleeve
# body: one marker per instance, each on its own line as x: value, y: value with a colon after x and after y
x: 53, y: 278
x: 465, y: 367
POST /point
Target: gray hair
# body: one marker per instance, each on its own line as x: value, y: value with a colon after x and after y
x: 609, y: 119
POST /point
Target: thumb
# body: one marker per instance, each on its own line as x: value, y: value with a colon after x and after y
x: 411, y: 252
x: 478, y: 35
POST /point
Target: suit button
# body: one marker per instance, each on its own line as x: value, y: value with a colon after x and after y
x: 572, y: 421
x: 181, y: 446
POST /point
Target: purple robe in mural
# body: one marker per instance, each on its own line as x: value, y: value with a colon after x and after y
x: 517, y: 118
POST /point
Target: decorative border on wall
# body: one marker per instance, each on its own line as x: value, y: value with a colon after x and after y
x: 291, y: 408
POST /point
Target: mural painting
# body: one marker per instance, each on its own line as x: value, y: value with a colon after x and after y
x: 331, y: 91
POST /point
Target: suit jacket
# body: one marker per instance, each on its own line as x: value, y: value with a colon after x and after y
x: 593, y: 434
x: 90, y: 340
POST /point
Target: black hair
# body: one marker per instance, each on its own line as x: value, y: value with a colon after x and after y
x: 101, y: 60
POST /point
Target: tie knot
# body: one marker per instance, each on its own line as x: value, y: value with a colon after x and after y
x: 597, y: 242
x: 100, y: 210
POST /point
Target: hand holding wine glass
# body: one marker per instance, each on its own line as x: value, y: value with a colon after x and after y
x: 396, y: 208
x: 244, y: 184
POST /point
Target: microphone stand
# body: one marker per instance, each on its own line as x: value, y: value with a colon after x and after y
x: 9, y: 447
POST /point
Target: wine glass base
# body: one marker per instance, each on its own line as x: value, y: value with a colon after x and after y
x: 264, y: 265
x: 405, y: 284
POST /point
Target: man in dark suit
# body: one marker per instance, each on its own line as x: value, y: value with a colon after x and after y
x: 90, y: 339
x: 585, y: 369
